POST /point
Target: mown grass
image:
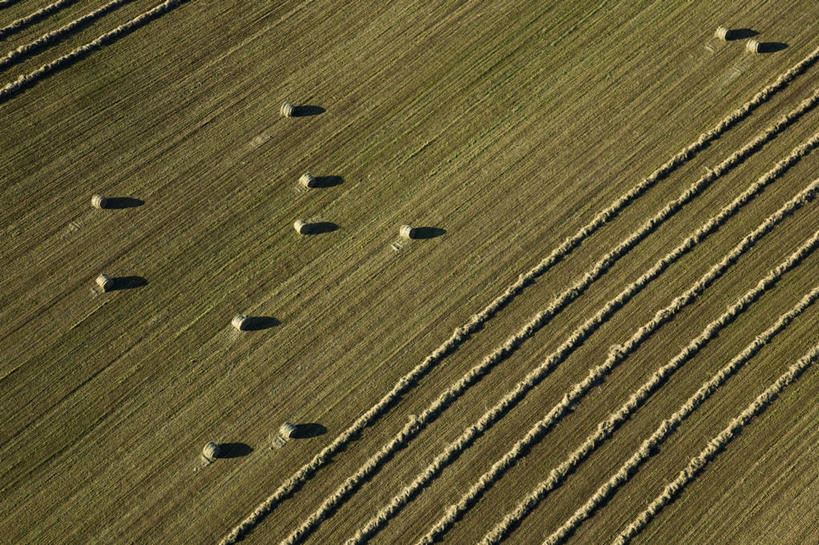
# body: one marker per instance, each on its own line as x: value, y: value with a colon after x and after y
x: 434, y: 112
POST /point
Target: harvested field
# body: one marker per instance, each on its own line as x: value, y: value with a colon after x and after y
x: 590, y: 349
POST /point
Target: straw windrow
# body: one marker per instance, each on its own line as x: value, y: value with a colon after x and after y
x: 446, y: 398
x: 463, y: 333
x: 669, y: 425
x: 608, y: 426
x: 716, y: 445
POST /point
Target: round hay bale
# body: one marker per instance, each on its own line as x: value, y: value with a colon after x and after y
x: 105, y: 282
x: 240, y: 322
x: 752, y: 46
x: 406, y: 231
x: 287, y: 110
x: 210, y: 451
x: 287, y: 430
x: 98, y: 201
x: 301, y: 227
x: 307, y: 180
x: 722, y: 33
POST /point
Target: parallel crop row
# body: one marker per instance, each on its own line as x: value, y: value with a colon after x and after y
x: 667, y: 427
x: 34, y: 17
x: 27, y: 80
x: 717, y: 445
x: 25, y: 51
x: 456, y: 390
x: 608, y: 426
x: 596, y: 375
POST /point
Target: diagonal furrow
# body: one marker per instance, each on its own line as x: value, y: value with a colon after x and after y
x: 472, y: 433
x: 446, y: 398
x: 717, y: 445
x: 615, y: 419
x: 669, y: 425
x: 463, y: 333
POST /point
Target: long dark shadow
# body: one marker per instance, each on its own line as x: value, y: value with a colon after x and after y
x: 306, y: 431
x: 307, y: 110
x: 771, y: 47
x: 740, y: 34
x: 327, y: 181
x: 257, y: 323
x: 321, y: 227
x: 118, y: 203
x: 128, y: 282
x: 427, y: 232
x: 234, y: 450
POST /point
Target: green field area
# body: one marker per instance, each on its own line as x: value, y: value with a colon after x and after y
x: 533, y: 295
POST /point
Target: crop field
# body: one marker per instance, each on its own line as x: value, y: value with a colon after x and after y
x: 602, y: 329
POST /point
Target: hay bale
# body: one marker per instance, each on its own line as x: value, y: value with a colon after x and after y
x: 722, y: 33
x: 287, y: 110
x: 210, y: 451
x: 98, y: 201
x: 240, y: 322
x: 287, y: 430
x: 105, y: 282
x: 406, y: 231
x: 301, y: 227
x: 752, y: 46
x: 307, y: 180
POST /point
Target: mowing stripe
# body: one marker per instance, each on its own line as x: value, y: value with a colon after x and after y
x: 28, y: 80
x: 463, y: 333
x: 667, y: 427
x: 34, y: 17
x: 716, y: 445
x: 409, y: 492
x: 615, y: 419
x: 28, y: 50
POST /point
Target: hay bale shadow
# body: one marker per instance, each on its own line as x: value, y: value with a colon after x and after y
x: 771, y: 47
x: 116, y: 203
x: 427, y: 232
x: 306, y: 431
x: 321, y: 227
x: 307, y: 110
x: 128, y: 282
x: 233, y: 450
x: 740, y: 34
x: 327, y: 181
x: 257, y: 323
